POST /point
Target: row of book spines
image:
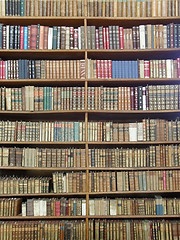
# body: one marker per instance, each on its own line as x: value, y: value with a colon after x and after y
x: 159, y: 97
x: 69, y: 182
x: 133, y: 181
x: 135, y: 206
x: 103, y: 229
x: 97, y: 206
x: 39, y: 230
x: 42, y: 131
x: 42, y: 69
x: 10, y: 207
x: 41, y: 37
x: 17, y: 185
x: 154, y: 156
x: 54, y: 207
x: 145, y: 130
x: 30, y: 98
x: 138, y: 37
x: 133, y: 8
x: 42, y: 157
x: 94, y: 8
x: 37, y: 8
x: 65, y: 69
x: 168, y: 68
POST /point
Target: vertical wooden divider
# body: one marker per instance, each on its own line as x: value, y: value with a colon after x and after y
x: 86, y: 125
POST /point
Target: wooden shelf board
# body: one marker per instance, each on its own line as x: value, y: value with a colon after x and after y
x: 132, y: 168
x: 133, y: 143
x: 42, y: 217
x: 67, y: 169
x: 132, y: 192
x: 45, y: 195
x: 135, y: 217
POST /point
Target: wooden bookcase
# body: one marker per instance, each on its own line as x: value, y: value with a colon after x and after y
x: 87, y: 114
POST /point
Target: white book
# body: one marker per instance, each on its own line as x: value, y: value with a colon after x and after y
x: 142, y: 36
x: 144, y: 98
x: 168, y: 68
x: 91, y: 207
x: 50, y: 38
x: 113, y: 207
x: 5, y: 155
x: 65, y: 185
x: 7, y: 36
x: 133, y: 132
x: 43, y: 207
x: 140, y: 131
x: 79, y: 37
x: 141, y: 68
x: 84, y: 207
x: 31, y: 98
x: 26, y: 89
x: 164, y: 8
x: 165, y: 36
x: 36, y: 207
x: 3, y: 13
x: 67, y: 38
x: 24, y: 210
x: 8, y: 99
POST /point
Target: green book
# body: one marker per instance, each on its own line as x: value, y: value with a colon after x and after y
x: 38, y: 29
x: 54, y: 46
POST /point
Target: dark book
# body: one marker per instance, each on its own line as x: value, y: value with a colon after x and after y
x: 54, y: 45
x: 11, y: 37
x: 7, y: 7
x: 171, y: 35
x: 140, y: 98
x: 175, y: 35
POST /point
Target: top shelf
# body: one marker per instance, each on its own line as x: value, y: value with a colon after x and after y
x: 98, y: 21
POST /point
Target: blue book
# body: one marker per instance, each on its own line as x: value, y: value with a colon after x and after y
x: 20, y: 69
x: 47, y: 98
x: 136, y: 69
x: 76, y: 131
x: 25, y: 69
x: 25, y: 37
x: 127, y: 68
x: 55, y: 132
x: 119, y: 69
x: 22, y: 7
x: 44, y: 98
x: 131, y: 69
x: 113, y: 70
x: 152, y: 36
x: 50, y: 98
x: 123, y: 69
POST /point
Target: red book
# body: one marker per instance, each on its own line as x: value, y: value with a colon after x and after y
x: 3, y: 69
x: 121, y: 38
x: 132, y: 98
x: 107, y: 38
x: 136, y: 98
x: 105, y: 68
x: 146, y: 69
x: 33, y: 37
x: 164, y: 180
x: 46, y: 37
x: 21, y: 37
x: 1, y: 62
x: 41, y: 37
x: 104, y: 38
x: 102, y: 69
x: 57, y: 208
x: 97, y: 38
x: 109, y: 68
x: 98, y: 68
x: 178, y: 67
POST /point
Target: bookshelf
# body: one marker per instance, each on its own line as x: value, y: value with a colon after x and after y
x: 160, y: 156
